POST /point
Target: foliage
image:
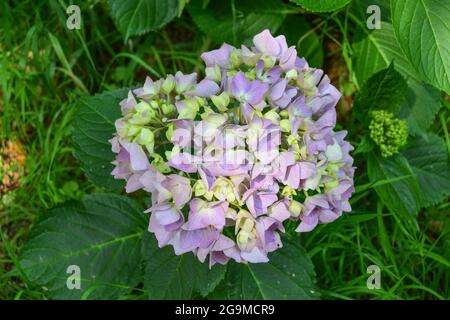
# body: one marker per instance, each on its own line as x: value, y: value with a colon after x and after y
x: 49, y: 77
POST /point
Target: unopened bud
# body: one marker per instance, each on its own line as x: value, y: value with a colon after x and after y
x: 221, y: 101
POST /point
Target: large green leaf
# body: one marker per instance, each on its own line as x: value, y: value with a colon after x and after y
x: 429, y: 160
x: 423, y: 32
x: 396, y: 185
x: 100, y: 234
x: 322, y: 5
x: 237, y: 22
x: 168, y: 276
x: 359, y: 8
x: 136, y: 17
x: 421, y: 106
x: 385, y: 90
x: 376, y: 51
x: 288, y: 275
x: 94, y: 126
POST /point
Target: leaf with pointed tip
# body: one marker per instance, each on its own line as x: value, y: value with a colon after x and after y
x: 136, y: 17
x: 400, y: 193
x: 374, y: 52
x: 420, y: 107
x: 429, y: 160
x: 422, y: 30
x: 168, y: 276
x: 101, y: 235
x: 322, y: 5
x: 94, y: 126
x: 385, y: 90
x: 289, y: 274
x: 236, y: 25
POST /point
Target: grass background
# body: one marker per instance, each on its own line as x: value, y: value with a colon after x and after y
x: 44, y: 70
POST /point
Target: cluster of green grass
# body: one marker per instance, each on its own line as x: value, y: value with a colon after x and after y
x: 45, y: 68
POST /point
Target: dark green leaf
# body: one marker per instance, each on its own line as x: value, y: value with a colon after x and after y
x: 422, y: 30
x: 208, y: 279
x: 375, y: 52
x: 168, y: 276
x: 94, y: 126
x: 288, y: 275
x: 237, y: 22
x: 136, y: 17
x: 429, y: 160
x: 400, y: 191
x: 100, y: 234
x: 421, y: 106
x: 385, y: 90
x: 321, y: 5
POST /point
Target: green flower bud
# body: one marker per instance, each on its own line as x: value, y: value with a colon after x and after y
x: 223, y: 190
x: 269, y: 61
x: 305, y: 80
x: 190, y: 109
x: 168, y: 84
x: 285, y: 125
x: 331, y: 184
x: 295, y: 208
x: 273, y: 116
x: 147, y: 139
x: 154, y: 104
x: 292, y: 74
x: 284, y: 114
x: 213, y: 73
x: 132, y: 130
x: 169, y: 132
x: 288, y: 192
x: 159, y: 163
x: 235, y: 59
x: 388, y: 133
x: 221, y: 101
x: 245, y: 230
x: 144, y: 114
x: 168, y: 108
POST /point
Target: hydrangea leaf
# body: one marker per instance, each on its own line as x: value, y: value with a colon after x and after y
x: 136, y: 17
x: 208, y: 279
x: 321, y: 5
x: 374, y: 52
x: 239, y: 25
x: 422, y: 30
x: 168, y: 276
x: 101, y: 235
x: 94, y: 126
x: 289, y: 274
x: 420, y: 107
x: 359, y: 9
x: 385, y: 90
x: 429, y: 160
x: 395, y: 184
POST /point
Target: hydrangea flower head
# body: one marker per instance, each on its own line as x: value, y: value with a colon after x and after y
x: 229, y: 160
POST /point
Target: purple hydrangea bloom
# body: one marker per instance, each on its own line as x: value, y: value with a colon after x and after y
x: 230, y: 159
